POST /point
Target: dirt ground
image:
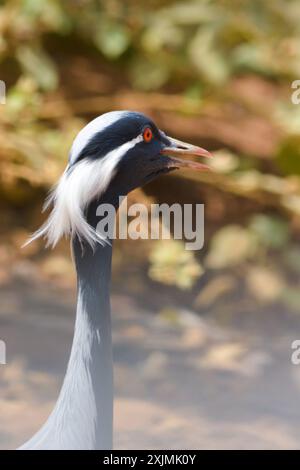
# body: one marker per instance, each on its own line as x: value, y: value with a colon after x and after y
x: 183, y: 382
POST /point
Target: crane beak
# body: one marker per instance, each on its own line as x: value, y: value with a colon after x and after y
x: 177, y: 148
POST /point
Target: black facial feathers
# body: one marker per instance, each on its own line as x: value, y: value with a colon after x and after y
x: 123, y: 130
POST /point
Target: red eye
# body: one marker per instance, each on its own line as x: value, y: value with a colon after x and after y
x: 147, y: 134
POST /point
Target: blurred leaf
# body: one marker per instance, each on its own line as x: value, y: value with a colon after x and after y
x: 112, y: 40
x: 23, y: 95
x: 264, y: 283
x: 148, y: 75
x: 227, y: 356
x: 162, y: 34
x: 171, y: 263
x: 288, y: 117
x: 188, y: 13
x: 224, y: 162
x: 37, y: 64
x: 51, y: 13
x: 215, y: 289
x: 288, y: 156
x: 272, y: 232
x: 231, y: 246
x: 250, y: 180
x: 207, y: 59
x: 194, y: 93
x: 292, y: 203
x: 254, y: 57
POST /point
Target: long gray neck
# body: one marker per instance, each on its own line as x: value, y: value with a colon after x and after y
x: 83, y: 415
x: 91, y: 364
x: 91, y: 358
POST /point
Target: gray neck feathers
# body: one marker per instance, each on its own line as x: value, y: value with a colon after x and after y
x: 83, y: 415
x: 88, y: 386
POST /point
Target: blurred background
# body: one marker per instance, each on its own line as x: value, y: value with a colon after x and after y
x: 202, y: 340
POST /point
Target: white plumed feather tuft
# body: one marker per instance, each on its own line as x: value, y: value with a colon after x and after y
x: 78, y: 186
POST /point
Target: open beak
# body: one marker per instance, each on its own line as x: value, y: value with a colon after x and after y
x: 176, y: 148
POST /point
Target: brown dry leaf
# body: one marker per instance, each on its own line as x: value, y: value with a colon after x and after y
x: 264, y: 283
x: 226, y: 356
x: 215, y: 289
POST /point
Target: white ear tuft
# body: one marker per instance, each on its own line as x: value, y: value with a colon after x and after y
x: 78, y: 186
x: 69, y: 200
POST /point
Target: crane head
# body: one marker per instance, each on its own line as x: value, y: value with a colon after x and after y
x: 116, y: 152
x: 130, y: 144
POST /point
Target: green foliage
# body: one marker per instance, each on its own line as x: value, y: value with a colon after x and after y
x: 209, y: 39
x: 219, y: 70
x: 272, y: 232
x: 231, y: 246
x: 288, y: 157
x: 171, y: 263
x: 38, y: 66
x: 112, y: 40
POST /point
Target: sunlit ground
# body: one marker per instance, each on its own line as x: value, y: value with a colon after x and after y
x: 181, y: 381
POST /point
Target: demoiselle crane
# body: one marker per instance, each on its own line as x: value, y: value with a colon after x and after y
x: 112, y: 155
